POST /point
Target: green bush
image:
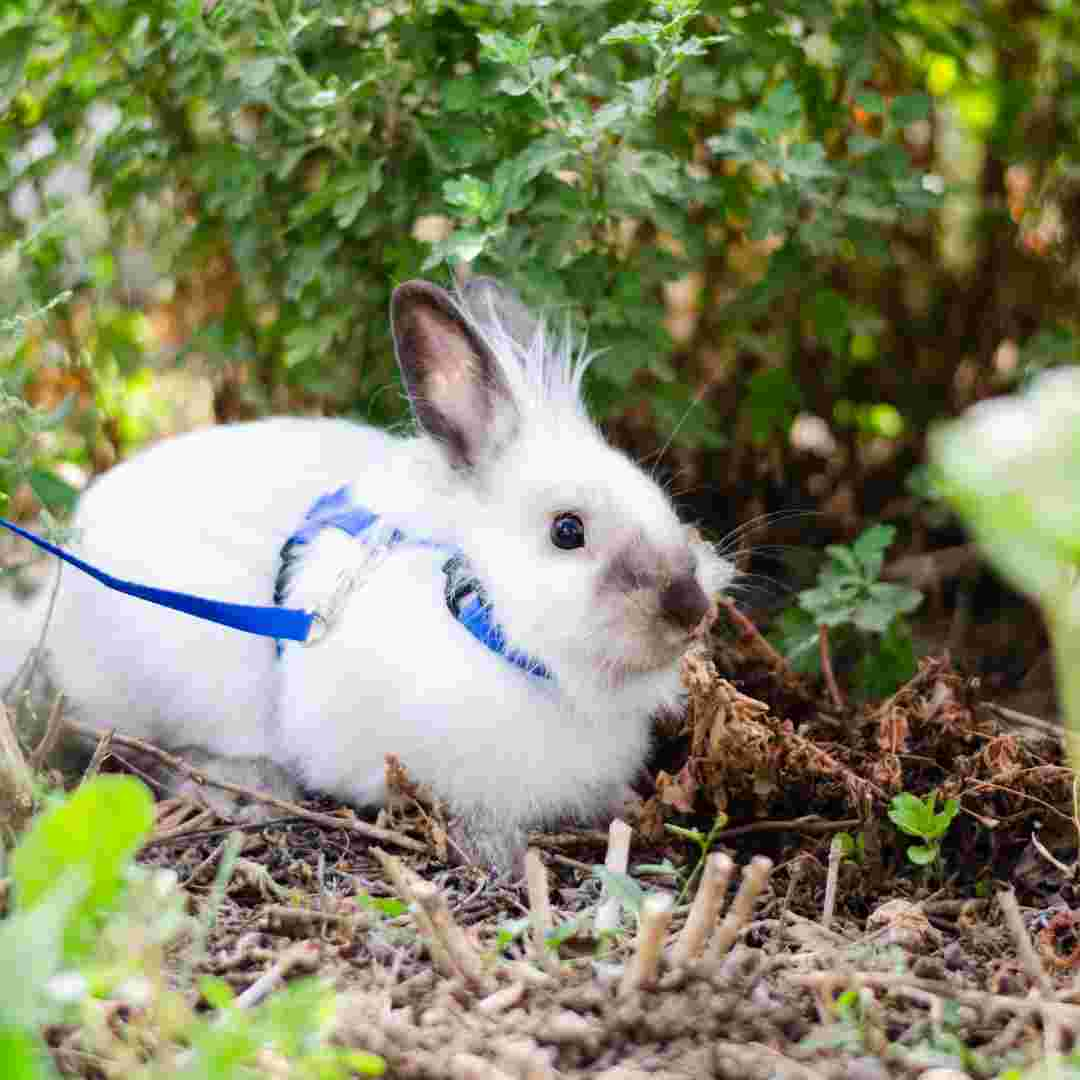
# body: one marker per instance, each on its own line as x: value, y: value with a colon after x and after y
x: 262, y: 173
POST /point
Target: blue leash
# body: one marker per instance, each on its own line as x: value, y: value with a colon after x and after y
x: 334, y: 510
x: 276, y: 622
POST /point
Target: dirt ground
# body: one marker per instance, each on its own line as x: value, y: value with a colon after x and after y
x: 820, y: 964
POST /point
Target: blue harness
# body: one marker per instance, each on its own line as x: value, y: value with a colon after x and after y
x: 465, y: 598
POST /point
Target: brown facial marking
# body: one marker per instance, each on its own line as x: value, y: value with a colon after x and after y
x: 684, y: 602
x: 634, y: 567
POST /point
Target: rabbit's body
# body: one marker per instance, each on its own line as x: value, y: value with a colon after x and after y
x: 586, y: 568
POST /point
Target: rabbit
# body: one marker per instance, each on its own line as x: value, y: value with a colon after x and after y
x: 507, y: 504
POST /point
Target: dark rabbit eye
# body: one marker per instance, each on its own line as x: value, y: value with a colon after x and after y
x: 568, y: 532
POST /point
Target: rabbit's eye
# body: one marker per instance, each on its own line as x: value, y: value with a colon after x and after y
x: 568, y: 532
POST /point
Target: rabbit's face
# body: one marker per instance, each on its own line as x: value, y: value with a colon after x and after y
x: 584, y: 560
x: 580, y: 553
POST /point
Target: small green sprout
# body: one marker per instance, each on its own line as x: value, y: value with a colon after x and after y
x: 848, y: 1030
x: 851, y: 847
x: 921, y: 818
x: 704, y: 842
x: 864, y: 614
x: 621, y: 887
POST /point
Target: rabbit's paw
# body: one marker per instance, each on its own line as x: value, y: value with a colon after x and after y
x: 259, y: 774
x: 481, y: 839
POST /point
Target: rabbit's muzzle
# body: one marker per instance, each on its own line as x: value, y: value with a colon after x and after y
x: 683, y: 602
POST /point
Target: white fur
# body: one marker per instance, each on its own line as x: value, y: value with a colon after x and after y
x: 208, y: 513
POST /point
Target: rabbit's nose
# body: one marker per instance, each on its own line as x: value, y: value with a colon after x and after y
x: 684, y: 602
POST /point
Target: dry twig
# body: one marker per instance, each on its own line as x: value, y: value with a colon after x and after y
x: 54, y: 729
x: 16, y: 779
x: 755, y: 878
x: 303, y: 956
x: 539, y: 911
x: 1025, y: 951
x: 404, y: 882
x: 747, y: 629
x: 705, y: 910
x: 101, y: 751
x: 644, y: 965
x: 457, y: 946
x: 616, y: 862
x: 361, y: 828
x: 832, y: 877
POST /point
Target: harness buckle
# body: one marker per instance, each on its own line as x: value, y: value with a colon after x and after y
x: 327, y: 614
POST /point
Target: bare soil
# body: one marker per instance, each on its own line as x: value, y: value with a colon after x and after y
x: 965, y: 965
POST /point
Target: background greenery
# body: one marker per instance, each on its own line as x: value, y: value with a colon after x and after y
x: 800, y: 232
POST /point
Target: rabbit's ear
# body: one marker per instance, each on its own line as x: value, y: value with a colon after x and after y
x: 493, y: 304
x: 457, y: 392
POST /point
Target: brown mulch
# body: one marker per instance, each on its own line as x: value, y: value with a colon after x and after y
x: 967, y: 965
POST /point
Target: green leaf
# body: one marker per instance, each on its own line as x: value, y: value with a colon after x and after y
x: 256, y: 73
x: 845, y: 559
x: 563, y: 932
x: 362, y: 1062
x: 503, y: 49
x: 740, y: 143
x: 469, y: 93
x: 845, y: 844
x: 772, y: 400
x: 632, y: 33
x: 22, y: 1056
x: 474, y: 197
x: 56, y: 494
x: 909, y: 813
x: 512, y: 931
x: 694, y: 835
x: 870, y: 101
x: 389, y: 906
x: 461, y: 244
x: 859, y: 144
x: 887, y: 665
x: 828, y: 606
x: 770, y: 213
x: 780, y: 112
x: 217, y: 993
x: 910, y: 109
x: 830, y: 313
x: 870, y: 549
x: 881, y: 604
x: 15, y: 46
x: 32, y: 944
x: 796, y: 636
x: 97, y: 832
x: 917, y: 817
x: 922, y: 856
x: 621, y: 886
x: 807, y: 162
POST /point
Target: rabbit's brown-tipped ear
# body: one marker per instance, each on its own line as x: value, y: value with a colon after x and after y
x: 457, y: 392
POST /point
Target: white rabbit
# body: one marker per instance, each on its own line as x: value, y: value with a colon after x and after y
x: 509, y: 498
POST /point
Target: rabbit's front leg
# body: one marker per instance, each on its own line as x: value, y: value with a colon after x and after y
x: 256, y: 773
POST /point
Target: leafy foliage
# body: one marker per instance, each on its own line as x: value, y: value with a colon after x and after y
x: 240, y: 183
x: 867, y: 612
x: 88, y: 924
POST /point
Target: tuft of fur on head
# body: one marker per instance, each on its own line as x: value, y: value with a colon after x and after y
x: 542, y: 369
